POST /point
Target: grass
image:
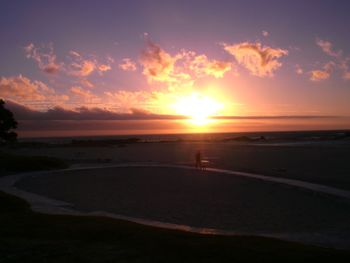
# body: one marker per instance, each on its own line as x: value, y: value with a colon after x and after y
x: 21, y: 163
x: 26, y: 236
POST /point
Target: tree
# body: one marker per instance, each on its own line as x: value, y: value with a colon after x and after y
x: 7, y: 123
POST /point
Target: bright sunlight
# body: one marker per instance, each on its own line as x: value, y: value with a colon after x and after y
x: 198, y: 108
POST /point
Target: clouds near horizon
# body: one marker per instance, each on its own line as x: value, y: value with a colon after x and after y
x: 168, y: 75
x: 22, y: 89
x: 23, y: 112
x: 57, y: 113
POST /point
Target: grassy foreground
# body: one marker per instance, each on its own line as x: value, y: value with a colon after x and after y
x: 26, y: 236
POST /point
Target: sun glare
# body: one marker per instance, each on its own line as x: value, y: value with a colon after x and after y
x: 198, y: 108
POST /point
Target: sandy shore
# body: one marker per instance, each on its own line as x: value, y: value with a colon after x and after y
x: 200, y: 199
x: 325, y: 164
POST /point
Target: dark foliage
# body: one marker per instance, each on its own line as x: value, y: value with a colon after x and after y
x: 7, y: 124
x: 21, y: 163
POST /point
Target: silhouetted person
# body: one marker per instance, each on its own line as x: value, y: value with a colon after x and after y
x: 198, y: 160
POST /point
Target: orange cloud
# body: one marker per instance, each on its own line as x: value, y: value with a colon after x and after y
x: 322, y: 74
x: 45, y: 60
x: 86, y: 83
x: 124, y: 101
x: 104, y: 67
x: 157, y: 63
x: 181, y: 70
x: 24, y: 90
x: 259, y: 60
x: 200, y: 65
x: 318, y: 75
x: 83, y: 68
x: 127, y: 65
x: 85, y: 95
x: 341, y: 62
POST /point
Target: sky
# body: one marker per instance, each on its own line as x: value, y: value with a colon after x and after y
x: 148, y: 66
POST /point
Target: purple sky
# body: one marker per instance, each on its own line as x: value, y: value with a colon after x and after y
x: 127, y: 58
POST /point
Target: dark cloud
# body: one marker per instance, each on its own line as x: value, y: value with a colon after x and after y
x: 22, y: 112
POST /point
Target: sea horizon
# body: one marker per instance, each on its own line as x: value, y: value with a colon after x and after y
x: 204, y: 136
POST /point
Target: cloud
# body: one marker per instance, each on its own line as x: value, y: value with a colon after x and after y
x: 181, y: 70
x: 127, y: 65
x: 346, y: 75
x: 84, y: 96
x: 46, y: 59
x: 157, y: 63
x: 78, y: 65
x: 83, y: 66
x: 298, y: 70
x: 265, y: 33
x: 318, y: 75
x: 324, y: 73
x: 124, y: 101
x: 327, y: 48
x: 23, y: 112
x: 217, y: 68
x: 340, y: 61
x: 259, y: 60
x: 23, y: 89
x: 345, y: 68
x: 104, y: 67
x: 86, y: 83
x: 39, y: 96
x: 200, y: 65
x: 74, y: 53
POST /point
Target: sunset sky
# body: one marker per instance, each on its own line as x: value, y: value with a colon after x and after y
x: 145, y: 63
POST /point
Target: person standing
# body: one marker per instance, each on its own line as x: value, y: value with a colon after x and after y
x: 198, y: 160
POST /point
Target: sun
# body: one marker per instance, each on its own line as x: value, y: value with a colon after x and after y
x: 198, y: 108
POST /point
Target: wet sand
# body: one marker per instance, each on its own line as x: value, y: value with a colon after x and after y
x: 200, y: 199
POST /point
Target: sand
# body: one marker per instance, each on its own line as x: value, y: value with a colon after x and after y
x: 326, y: 164
x: 201, y: 199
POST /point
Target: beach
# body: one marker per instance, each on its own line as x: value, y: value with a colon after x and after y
x: 218, y: 201
x: 324, y: 163
x: 194, y: 198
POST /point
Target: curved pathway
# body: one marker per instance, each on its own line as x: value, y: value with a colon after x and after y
x: 316, y: 188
